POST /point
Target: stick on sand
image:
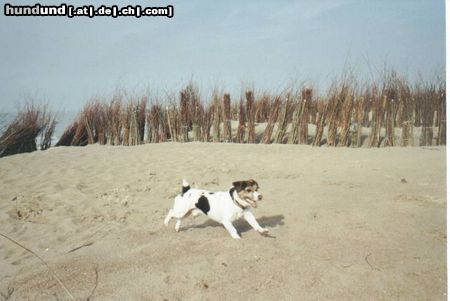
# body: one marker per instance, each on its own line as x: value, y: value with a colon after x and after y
x: 44, y: 262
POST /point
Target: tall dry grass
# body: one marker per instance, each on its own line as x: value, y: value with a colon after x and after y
x: 273, y: 117
x: 284, y: 118
x: 349, y: 114
x: 227, y: 118
x: 250, y: 110
x: 20, y: 135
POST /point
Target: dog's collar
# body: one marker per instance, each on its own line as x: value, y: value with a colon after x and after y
x: 232, y: 190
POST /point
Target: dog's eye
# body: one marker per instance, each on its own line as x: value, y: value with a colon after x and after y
x: 248, y: 190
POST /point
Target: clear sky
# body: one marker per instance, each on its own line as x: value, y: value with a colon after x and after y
x: 225, y: 44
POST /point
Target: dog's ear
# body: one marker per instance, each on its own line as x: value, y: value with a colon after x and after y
x: 252, y: 182
x: 240, y: 185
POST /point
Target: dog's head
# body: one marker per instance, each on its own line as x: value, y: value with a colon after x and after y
x: 248, y: 192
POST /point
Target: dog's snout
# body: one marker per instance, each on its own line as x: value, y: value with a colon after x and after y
x: 259, y: 197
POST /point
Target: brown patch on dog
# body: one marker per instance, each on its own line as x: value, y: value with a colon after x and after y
x: 245, y: 190
x: 253, y: 183
x: 241, y: 185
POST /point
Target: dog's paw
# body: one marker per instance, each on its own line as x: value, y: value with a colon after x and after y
x: 263, y: 231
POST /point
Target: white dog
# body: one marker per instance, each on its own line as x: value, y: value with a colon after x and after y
x: 223, y: 206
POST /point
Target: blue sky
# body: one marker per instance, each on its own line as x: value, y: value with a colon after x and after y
x: 226, y: 44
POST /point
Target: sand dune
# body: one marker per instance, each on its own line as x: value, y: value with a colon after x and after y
x: 347, y: 224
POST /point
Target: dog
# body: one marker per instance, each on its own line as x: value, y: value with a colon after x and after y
x: 222, y: 206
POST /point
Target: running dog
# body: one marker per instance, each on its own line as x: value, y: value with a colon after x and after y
x: 222, y: 206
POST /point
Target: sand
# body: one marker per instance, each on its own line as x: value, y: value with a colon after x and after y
x: 346, y: 224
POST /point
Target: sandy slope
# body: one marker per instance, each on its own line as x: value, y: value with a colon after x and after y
x: 345, y: 226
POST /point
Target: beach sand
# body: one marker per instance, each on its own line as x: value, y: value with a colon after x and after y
x: 346, y: 224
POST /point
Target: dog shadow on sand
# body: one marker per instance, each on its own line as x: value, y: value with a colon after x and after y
x: 242, y: 226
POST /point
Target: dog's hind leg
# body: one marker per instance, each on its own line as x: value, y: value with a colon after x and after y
x: 179, y: 210
x: 179, y: 215
x: 196, y: 212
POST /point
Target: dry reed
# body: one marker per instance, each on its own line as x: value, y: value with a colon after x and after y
x: 343, y: 113
x: 250, y: 110
x: 241, y: 126
x: 275, y: 108
x: 154, y: 120
x: 21, y: 133
x: 207, y: 120
x: 304, y: 116
x: 49, y: 123
x: 185, y: 99
x: 226, y: 118
x: 346, y: 97
x: 441, y: 137
x: 321, y: 120
x: 216, y: 106
x: 284, y: 119
x: 333, y: 110
x: 295, y: 124
x: 378, y: 104
x: 196, y: 111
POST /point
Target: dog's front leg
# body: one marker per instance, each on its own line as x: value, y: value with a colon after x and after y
x: 250, y: 218
x: 231, y: 229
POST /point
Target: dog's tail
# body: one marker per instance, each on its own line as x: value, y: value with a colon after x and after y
x: 185, y: 187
